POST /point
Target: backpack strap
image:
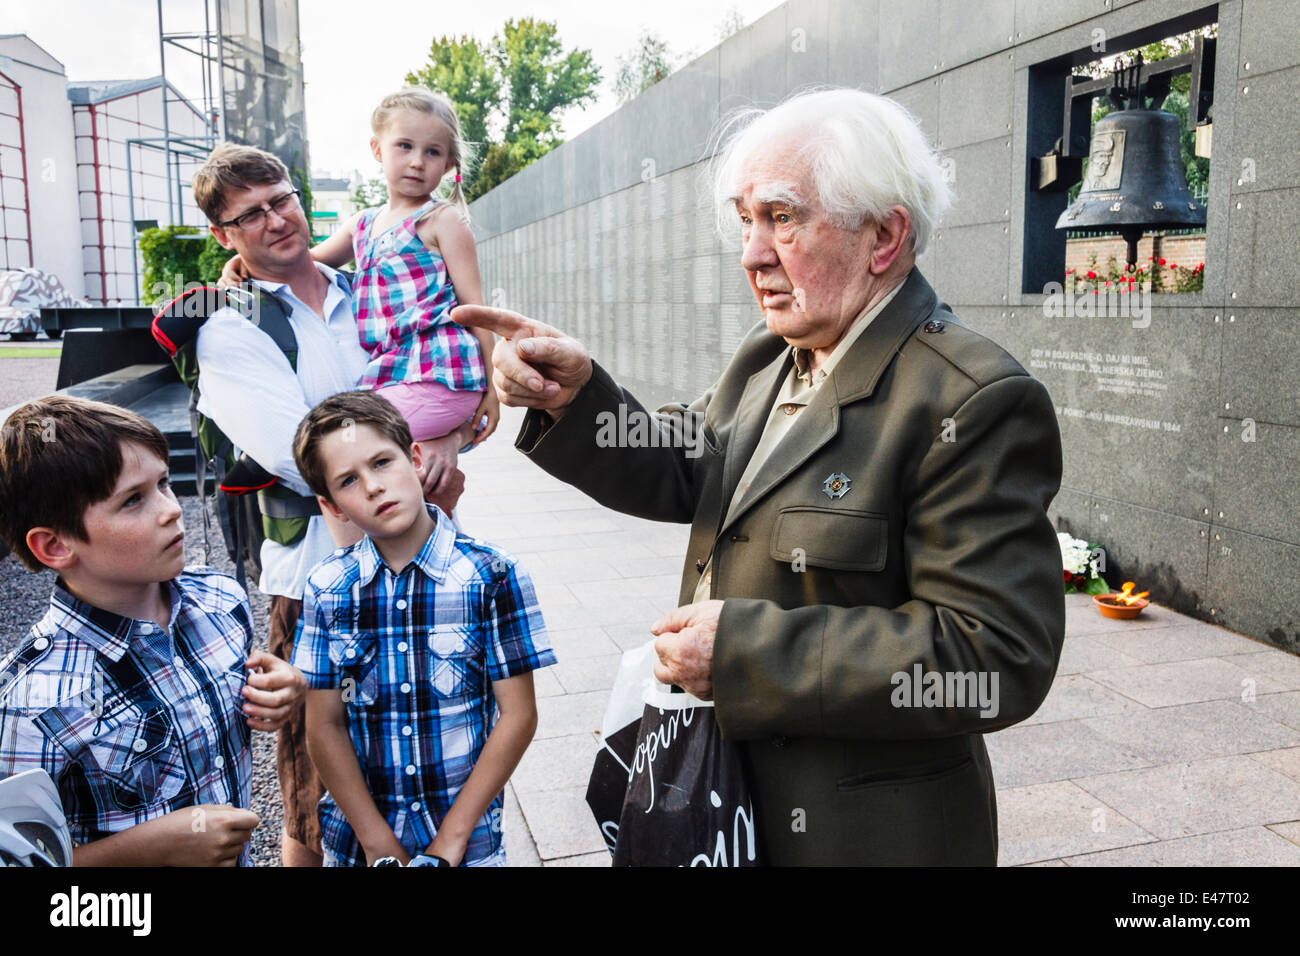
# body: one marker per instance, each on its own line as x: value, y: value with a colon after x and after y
x: 268, y: 313
x: 176, y: 328
x: 176, y: 325
x: 297, y: 506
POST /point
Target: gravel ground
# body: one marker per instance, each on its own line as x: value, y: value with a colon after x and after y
x: 26, y: 596
x: 26, y: 378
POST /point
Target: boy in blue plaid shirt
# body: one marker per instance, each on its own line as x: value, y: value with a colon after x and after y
x: 410, y: 640
x: 134, y: 691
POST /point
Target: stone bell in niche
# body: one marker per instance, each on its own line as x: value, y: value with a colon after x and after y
x: 1135, y: 181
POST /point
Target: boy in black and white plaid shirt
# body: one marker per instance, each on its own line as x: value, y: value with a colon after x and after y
x: 137, y: 689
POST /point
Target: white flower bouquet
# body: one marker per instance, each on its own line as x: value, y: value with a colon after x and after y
x: 1082, y: 564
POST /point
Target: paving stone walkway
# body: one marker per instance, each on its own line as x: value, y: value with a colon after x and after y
x: 1164, y: 741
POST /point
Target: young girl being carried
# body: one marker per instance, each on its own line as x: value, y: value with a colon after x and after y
x: 415, y: 262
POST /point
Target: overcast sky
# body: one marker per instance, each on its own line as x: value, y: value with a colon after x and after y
x: 354, y: 51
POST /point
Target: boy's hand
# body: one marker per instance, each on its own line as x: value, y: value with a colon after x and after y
x: 491, y: 407
x: 206, y: 835
x: 273, y: 687
x: 451, y: 850
x: 385, y: 847
x: 233, y: 273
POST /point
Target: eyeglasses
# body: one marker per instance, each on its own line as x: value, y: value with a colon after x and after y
x: 256, y: 218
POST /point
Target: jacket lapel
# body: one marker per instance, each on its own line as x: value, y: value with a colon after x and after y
x: 817, y: 425
x: 751, y: 418
x: 854, y: 378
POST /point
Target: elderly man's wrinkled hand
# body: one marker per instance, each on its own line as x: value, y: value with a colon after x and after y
x: 536, y: 366
x: 684, y: 643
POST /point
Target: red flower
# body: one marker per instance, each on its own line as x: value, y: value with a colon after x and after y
x: 1069, y: 272
x: 1108, y: 284
x: 1067, y: 575
x: 1079, y: 581
x: 1162, y: 261
x: 1091, y: 274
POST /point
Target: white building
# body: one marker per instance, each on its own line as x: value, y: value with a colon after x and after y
x: 331, y: 201
x: 80, y: 153
x: 38, y: 165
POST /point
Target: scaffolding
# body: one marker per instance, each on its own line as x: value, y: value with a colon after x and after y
x: 206, y: 47
x: 208, y: 50
x: 251, y: 89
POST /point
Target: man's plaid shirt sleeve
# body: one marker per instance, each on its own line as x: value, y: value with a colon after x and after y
x: 519, y: 640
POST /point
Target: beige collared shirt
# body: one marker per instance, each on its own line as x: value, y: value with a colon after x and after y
x: 794, y: 395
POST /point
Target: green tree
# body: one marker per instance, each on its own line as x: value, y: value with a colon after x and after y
x: 177, y: 256
x: 541, y: 79
x: 171, y: 260
x: 646, y: 64
x: 302, y: 182
x: 510, y: 94
x: 372, y: 192
x: 211, y: 259
x: 467, y: 73
x: 733, y: 21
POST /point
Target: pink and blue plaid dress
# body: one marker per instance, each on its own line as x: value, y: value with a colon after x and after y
x: 403, y: 299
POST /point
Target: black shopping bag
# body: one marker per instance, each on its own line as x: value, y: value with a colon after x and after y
x: 684, y: 798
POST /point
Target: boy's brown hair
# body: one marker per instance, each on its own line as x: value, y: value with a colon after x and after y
x: 344, y: 410
x: 230, y: 168
x: 58, y: 456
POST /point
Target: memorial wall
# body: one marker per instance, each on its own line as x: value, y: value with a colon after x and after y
x: 1179, y: 413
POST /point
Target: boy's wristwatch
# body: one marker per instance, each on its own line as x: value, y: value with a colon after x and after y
x: 420, y: 859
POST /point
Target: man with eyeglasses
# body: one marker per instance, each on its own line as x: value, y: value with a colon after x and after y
x: 248, y: 388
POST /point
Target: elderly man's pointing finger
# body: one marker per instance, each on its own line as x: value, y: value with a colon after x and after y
x: 535, y: 365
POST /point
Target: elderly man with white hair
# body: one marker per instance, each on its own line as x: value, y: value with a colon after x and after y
x: 872, y: 582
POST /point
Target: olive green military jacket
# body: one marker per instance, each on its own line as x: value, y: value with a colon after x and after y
x: 892, y: 583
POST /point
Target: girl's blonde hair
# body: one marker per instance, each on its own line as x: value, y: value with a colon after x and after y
x: 440, y: 108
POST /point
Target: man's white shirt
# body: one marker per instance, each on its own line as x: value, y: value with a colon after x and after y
x: 248, y: 388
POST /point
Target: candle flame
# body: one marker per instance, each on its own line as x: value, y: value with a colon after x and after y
x: 1127, y: 596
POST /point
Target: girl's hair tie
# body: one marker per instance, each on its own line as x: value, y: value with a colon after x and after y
x: 458, y: 177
